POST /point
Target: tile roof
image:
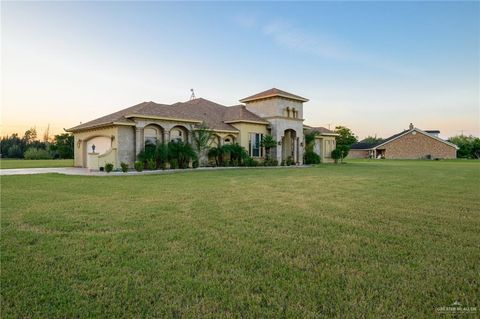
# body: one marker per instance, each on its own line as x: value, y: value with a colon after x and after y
x: 272, y: 93
x: 213, y: 114
x: 321, y: 130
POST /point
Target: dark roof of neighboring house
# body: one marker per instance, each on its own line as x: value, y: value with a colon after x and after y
x: 364, y: 145
x: 200, y: 110
x: 272, y: 93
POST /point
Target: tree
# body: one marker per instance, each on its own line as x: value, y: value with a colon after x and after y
x: 310, y: 157
x: 30, y: 135
x: 343, y: 149
x: 372, y: 140
x: 201, y: 138
x: 62, y: 145
x: 268, y: 142
x: 346, y: 136
x: 336, y: 155
x: 469, y: 146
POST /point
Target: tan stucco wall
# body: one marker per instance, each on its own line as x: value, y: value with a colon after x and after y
x: 415, y: 146
x: 324, y: 145
x: 245, y: 129
x: 274, y: 107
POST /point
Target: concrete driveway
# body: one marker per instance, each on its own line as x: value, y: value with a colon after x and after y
x: 60, y: 170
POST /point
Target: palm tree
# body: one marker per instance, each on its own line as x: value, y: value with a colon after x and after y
x: 201, y: 139
x: 268, y: 142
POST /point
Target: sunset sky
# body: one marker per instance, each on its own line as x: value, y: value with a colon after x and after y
x: 372, y: 66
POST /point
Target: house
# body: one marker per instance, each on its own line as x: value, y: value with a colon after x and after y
x: 408, y: 144
x: 121, y: 136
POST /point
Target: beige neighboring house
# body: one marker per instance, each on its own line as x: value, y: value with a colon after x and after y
x: 120, y: 136
x: 408, y: 144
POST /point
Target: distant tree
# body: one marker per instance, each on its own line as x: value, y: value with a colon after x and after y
x: 30, y: 135
x: 346, y: 136
x: 268, y: 142
x: 469, y: 146
x: 372, y: 139
x: 62, y: 145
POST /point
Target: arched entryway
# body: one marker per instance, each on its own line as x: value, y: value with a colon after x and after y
x: 96, y: 145
x: 290, y: 143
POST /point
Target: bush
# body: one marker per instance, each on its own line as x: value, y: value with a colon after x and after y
x: 108, y: 167
x: 336, y: 155
x: 290, y: 161
x: 14, y: 151
x: 36, y: 153
x: 173, y: 164
x: 138, y: 166
x: 250, y: 162
x: 282, y: 163
x: 195, y: 164
x: 124, y: 167
x: 151, y: 164
x: 270, y: 162
x: 311, y: 157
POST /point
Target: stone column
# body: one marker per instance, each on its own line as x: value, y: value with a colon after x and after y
x: 279, y: 149
x: 139, y: 140
x: 166, y: 136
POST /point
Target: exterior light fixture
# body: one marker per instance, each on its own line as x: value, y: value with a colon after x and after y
x: 93, y: 148
x: 279, y: 143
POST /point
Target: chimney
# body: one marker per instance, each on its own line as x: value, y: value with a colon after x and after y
x: 411, y: 127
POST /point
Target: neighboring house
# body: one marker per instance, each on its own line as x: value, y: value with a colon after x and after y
x: 409, y: 144
x: 120, y: 136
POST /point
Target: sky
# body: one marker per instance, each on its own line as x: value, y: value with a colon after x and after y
x: 371, y: 66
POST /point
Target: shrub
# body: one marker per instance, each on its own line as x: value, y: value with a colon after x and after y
x: 282, y: 163
x: 36, y: 153
x: 270, y: 162
x: 14, y: 151
x: 336, y: 155
x: 108, y: 167
x: 195, y: 164
x: 311, y: 157
x: 173, y: 164
x: 250, y: 162
x: 124, y: 167
x: 181, y: 152
x: 151, y: 164
x: 290, y: 161
x: 138, y: 166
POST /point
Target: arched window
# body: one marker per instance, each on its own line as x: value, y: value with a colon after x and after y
x: 178, y: 134
x: 151, y: 135
x: 288, y: 111
x: 294, y: 113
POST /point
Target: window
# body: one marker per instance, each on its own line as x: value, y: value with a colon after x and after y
x: 294, y: 113
x: 254, y: 148
x: 176, y: 134
x: 150, y: 135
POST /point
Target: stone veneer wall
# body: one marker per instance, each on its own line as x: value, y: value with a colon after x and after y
x: 415, y: 146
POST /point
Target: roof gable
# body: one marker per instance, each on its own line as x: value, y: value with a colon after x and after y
x: 273, y: 92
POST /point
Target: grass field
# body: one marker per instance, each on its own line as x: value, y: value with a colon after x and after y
x: 20, y: 163
x: 379, y: 239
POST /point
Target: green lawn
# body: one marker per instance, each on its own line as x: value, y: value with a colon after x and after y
x: 376, y: 239
x: 20, y: 163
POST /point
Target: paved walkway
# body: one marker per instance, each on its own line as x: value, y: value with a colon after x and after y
x: 87, y: 172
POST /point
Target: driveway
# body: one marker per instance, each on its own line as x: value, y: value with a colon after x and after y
x: 60, y: 170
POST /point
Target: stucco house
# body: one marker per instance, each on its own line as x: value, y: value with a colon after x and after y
x: 120, y: 136
x: 413, y: 143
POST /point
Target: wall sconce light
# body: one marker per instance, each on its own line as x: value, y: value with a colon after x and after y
x: 93, y: 148
x: 279, y: 143
x: 301, y: 144
x: 79, y: 142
